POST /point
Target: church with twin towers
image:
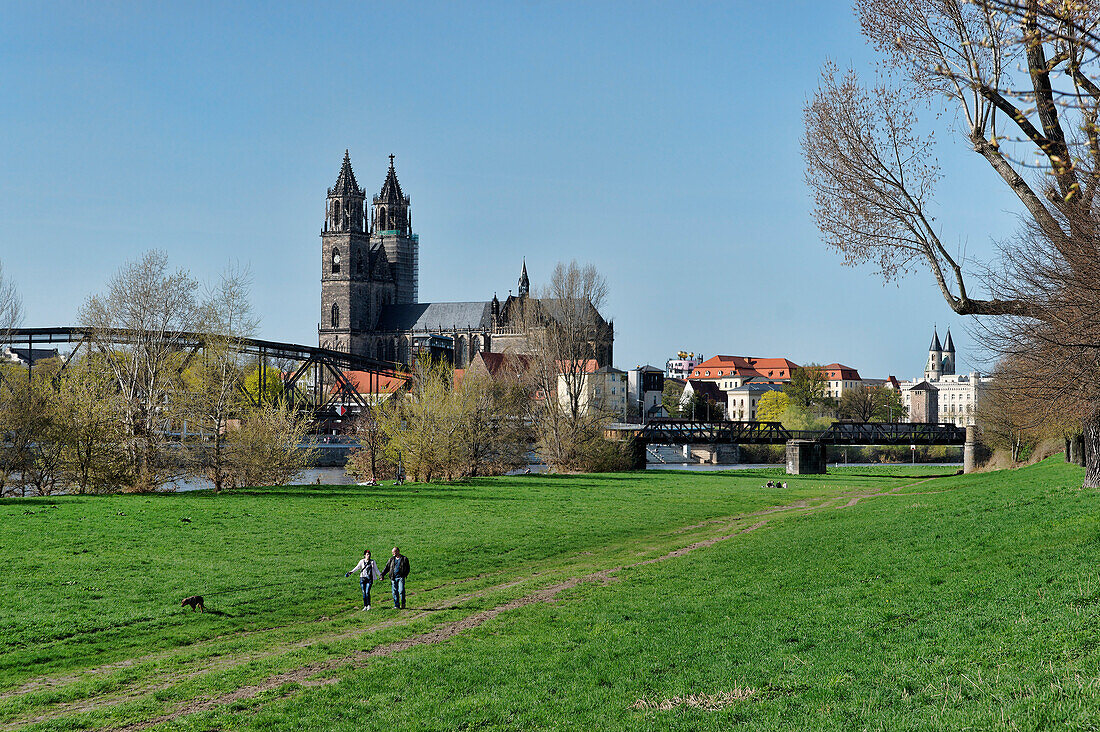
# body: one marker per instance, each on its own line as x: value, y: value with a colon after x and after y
x: 370, y: 295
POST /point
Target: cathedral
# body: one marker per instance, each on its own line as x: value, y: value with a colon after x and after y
x: 370, y: 262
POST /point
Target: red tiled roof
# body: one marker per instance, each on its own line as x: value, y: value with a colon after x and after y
x: 364, y: 381
x: 839, y: 372
x: 718, y: 367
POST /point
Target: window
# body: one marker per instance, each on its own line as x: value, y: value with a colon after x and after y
x: 335, y: 315
x: 335, y: 260
x: 336, y: 214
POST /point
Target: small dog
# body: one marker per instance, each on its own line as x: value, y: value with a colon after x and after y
x: 194, y: 602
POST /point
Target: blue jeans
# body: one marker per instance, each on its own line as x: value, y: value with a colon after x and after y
x: 365, y: 584
x: 398, y: 591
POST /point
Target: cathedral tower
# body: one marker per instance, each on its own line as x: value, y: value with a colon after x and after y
x: 391, y: 229
x: 348, y: 298
x: 947, y: 361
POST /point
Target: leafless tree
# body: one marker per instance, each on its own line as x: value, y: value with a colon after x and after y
x: 11, y: 306
x: 369, y: 461
x: 1020, y: 75
x: 565, y: 334
x: 151, y: 306
x: 214, y: 379
x: 495, y: 435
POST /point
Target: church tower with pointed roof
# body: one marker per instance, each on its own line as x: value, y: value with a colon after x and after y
x: 356, y: 279
x: 947, y: 357
x: 391, y: 229
x: 933, y: 369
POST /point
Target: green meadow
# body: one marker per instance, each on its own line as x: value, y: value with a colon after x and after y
x: 886, y: 598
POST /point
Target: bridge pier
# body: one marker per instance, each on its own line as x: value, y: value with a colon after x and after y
x: 970, y: 450
x: 717, y: 453
x: 805, y: 457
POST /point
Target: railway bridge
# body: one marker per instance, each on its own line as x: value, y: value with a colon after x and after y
x: 312, y: 378
x: 805, y: 448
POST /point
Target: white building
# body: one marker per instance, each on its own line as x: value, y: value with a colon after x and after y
x: 741, y: 400
x: 943, y: 396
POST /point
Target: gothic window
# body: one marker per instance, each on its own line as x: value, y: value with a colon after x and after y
x: 335, y: 260
x: 336, y: 213
x: 358, y: 263
x: 460, y: 352
x: 335, y: 315
x: 380, y: 224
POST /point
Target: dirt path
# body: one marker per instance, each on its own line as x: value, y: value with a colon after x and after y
x: 891, y: 492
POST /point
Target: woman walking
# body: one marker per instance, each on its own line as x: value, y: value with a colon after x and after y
x: 368, y: 573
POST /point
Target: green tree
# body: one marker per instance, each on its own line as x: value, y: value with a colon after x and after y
x: 871, y: 404
x: 670, y: 397
x: 270, y: 447
x: 91, y: 409
x: 772, y: 406
x: 807, y: 388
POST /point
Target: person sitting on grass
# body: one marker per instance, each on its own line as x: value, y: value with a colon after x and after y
x: 398, y: 569
x: 368, y: 573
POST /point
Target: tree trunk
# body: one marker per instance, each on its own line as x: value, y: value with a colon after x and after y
x: 1091, y: 444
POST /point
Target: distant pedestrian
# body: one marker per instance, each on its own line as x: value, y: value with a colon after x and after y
x: 368, y: 573
x: 398, y: 569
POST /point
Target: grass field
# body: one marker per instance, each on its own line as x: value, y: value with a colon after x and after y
x: 892, y: 600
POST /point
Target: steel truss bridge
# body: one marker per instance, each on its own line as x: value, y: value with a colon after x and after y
x: 690, y: 432
x: 313, y: 378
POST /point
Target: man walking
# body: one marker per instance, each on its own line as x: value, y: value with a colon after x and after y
x: 398, y: 569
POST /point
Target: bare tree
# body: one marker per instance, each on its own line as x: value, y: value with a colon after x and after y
x: 495, y: 435
x: 11, y: 306
x: 137, y: 329
x: 871, y: 404
x: 567, y: 336
x: 369, y: 461
x: 214, y: 380
x: 1020, y: 75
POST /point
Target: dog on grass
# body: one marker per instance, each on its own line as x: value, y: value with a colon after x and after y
x: 194, y: 602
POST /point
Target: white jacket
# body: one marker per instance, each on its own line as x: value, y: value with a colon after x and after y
x: 367, y: 570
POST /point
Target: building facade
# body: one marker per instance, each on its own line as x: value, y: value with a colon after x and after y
x: 681, y: 366
x: 370, y: 263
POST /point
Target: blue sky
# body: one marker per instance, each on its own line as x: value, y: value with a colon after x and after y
x: 657, y: 141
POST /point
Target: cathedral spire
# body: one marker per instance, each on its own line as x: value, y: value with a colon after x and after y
x: 346, y: 185
x: 947, y: 344
x: 391, y: 188
x: 935, y: 342
x: 524, y: 282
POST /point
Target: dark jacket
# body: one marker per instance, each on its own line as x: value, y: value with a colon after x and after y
x: 398, y: 571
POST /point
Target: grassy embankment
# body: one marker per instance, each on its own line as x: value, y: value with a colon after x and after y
x: 969, y: 600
